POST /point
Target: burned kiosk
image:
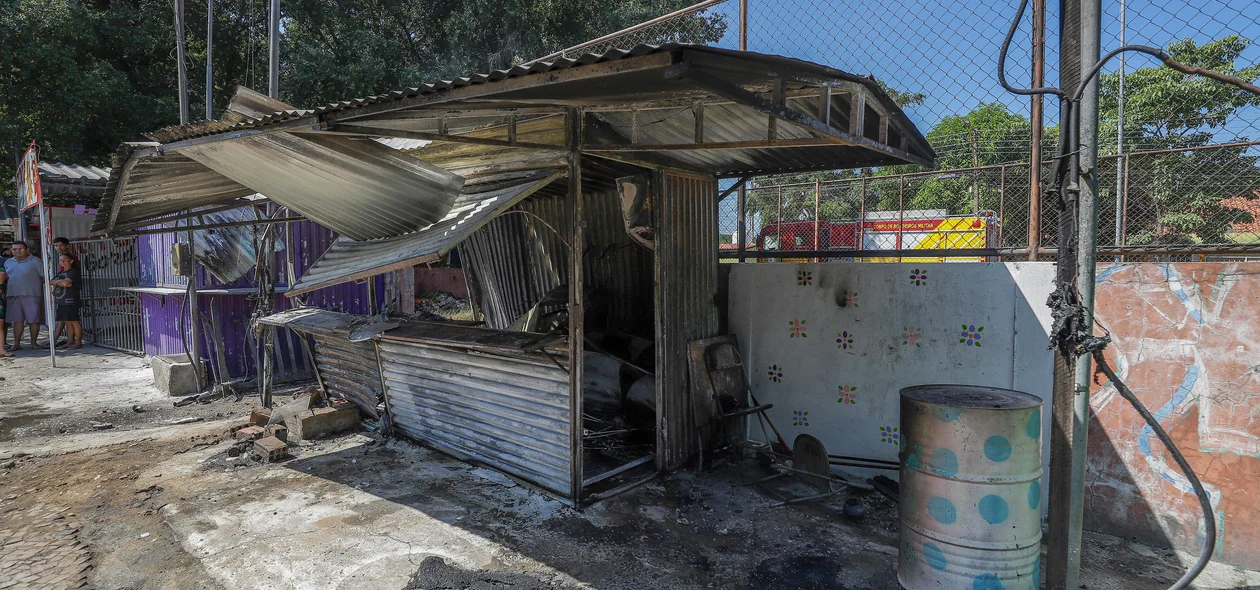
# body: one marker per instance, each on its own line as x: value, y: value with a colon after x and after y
x: 585, y: 213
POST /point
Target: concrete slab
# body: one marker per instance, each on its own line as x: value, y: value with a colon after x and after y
x: 173, y: 374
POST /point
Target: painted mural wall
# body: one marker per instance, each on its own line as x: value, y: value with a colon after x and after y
x: 1185, y: 340
x: 830, y: 345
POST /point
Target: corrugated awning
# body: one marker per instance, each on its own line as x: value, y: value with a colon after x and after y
x: 348, y: 260
x: 701, y: 109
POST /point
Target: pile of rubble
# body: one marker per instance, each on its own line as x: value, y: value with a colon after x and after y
x: 445, y: 305
x: 265, y: 437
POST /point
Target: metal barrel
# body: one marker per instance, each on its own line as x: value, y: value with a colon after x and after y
x: 970, y: 488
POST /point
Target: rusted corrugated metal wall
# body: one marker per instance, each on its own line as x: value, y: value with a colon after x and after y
x: 511, y: 414
x: 349, y: 370
x: 686, y: 290
x: 516, y: 260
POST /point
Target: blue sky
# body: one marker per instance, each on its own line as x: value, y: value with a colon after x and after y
x: 948, y: 49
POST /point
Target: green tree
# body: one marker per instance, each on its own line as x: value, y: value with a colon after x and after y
x: 1176, y: 197
x: 341, y: 48
x: 81, y: 76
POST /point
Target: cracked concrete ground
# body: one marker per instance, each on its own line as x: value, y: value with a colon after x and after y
x: 164, y: 507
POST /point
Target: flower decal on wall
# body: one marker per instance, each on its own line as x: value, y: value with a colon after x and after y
x: 776, y: 373
x: 797, y: 328
x: 971, y: 335
x: 848, y: 394
x: 844, y: 341
x: 804, y: 278
x: 800, y: 418
x: 850, y: 299
x: 889, y: 434
x: 918, y: 277
x: 911, y: 335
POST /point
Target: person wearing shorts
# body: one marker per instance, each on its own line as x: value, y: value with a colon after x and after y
x: 66, y: 296
x: 24, y: 291
x: 4, y: 330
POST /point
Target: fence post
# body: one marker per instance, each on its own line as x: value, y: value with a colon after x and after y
x: 1001, y: 205
x: 743, y: 25
x: 817, y: 224
x: 1124, y: 206
x: 778, y: 220
x: 901, y: 212
x: 861, y: 232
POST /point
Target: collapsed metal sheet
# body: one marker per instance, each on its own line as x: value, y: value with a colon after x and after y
x: 355, y: 186
x: 348, y: 370
x: 349, y: 259
x: 511, y: 414
x: 227, y: 252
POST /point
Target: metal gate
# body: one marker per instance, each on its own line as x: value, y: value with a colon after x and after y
x: 111, y: 318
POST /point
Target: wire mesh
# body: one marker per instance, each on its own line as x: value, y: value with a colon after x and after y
x: 1179, y: 154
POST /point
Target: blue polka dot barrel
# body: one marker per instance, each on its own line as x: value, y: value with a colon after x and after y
x: 970, y: 488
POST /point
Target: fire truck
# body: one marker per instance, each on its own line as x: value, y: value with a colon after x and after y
x: 928, y: 229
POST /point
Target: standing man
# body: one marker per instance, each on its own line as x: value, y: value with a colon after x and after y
x: 25, y: 289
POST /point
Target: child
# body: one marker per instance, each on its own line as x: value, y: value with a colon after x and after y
x: 66, y: 295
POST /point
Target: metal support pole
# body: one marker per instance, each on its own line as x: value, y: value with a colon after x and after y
x: 778, y: 220
x: 1120, y: 175
x: 45, y: 250
x: 741, y: 231
x: 1081, y: 43
x: 1001, y: 204
x: 817, y: 223
x: 577, y: 348
x: 1037, y: 116
x: 1124, y: 206
x: 182, y: 64
x: 194, y: 311
x: 1087, y: 243
x: 273, y: 50
x: 901, y: 212
x: 861, y: 232
x: 209, y: 60
x: 743, y: 25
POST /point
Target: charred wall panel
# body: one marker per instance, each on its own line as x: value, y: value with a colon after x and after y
x: 686, y: 290
x: 511, y: 414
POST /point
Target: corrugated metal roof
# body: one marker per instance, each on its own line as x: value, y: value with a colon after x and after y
x: 354, y: 186
x: 730, y: 84
x: 823, y: 73
x: 58, y: 172
x: 349, y: 260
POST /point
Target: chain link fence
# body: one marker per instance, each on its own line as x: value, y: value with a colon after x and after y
x: 1178, y: 172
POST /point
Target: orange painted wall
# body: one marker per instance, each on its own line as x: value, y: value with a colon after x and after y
x: 1186, y: 339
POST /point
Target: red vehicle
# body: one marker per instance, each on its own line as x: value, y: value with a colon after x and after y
x: 882, y: 230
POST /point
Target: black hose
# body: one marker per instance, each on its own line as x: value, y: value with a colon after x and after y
x: 1209, y: 521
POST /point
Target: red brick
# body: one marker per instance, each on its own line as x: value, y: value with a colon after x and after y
x: 259, y: 416
x: 271, y: 448
x: 279, y: 431
x: 250, y: 433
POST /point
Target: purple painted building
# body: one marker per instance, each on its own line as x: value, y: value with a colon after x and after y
x: 226, y: 308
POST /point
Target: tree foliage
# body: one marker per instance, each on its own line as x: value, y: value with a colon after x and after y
x: 81, y: 76
x: 1177, y: 197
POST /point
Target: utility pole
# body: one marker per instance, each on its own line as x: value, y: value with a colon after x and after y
x: 1081, y: 40
x: 209, y: 60
x: 273, y: 50
x: 1036, y: 116
x: 182, y: 65
x: 975, y: 166
x: 1121, y: 162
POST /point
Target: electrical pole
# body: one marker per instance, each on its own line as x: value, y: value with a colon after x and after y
x: 273, y: 50
x: 1081, y: 38
x: 1036, y: 116
x: 209, y: 60
x: 182, y: 65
